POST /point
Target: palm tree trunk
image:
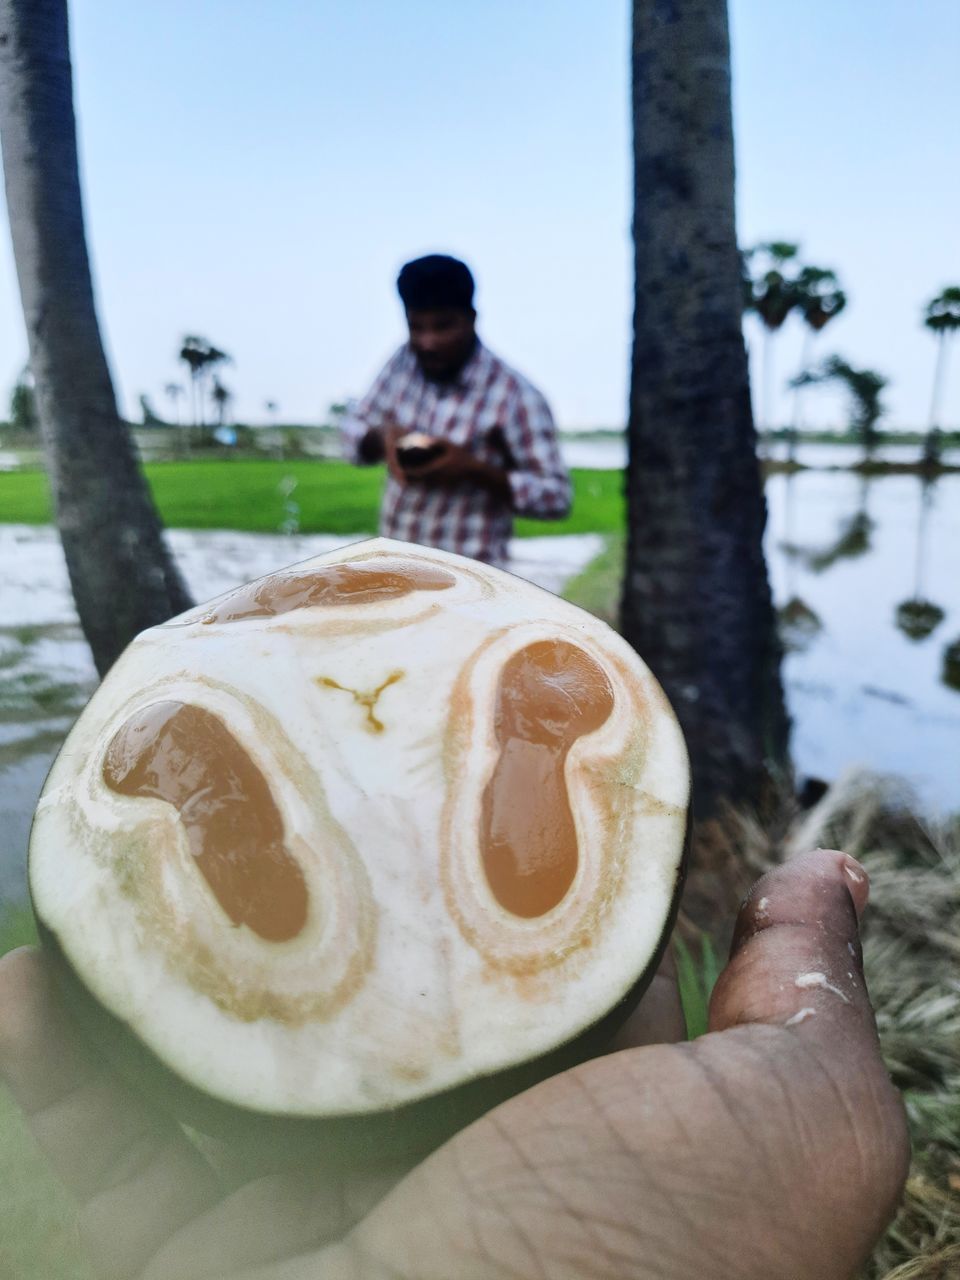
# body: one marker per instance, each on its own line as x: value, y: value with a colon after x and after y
x: 798, y: 394
x: 767, y: 416
x: 696, y: 600
x: 122, y: 575
x: 938, y: 381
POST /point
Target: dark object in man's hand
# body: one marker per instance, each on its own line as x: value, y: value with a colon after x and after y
x: 416, y: 450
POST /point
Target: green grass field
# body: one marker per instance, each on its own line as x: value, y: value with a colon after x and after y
x: 332, y: 497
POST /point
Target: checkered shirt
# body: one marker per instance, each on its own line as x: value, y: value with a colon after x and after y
x: 497, y: 415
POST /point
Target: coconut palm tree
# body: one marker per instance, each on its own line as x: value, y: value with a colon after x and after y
x: 696, y: 598
x: 200, y: 357
x: 173, y: 392
x: 122, y: 575
x: 820, y: 300
x: 771, y: 293
x: 942, y: 317
x: 221, y: 398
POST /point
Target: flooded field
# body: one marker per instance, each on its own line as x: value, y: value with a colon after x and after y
x: 610, y: 453
x: 865, y: 574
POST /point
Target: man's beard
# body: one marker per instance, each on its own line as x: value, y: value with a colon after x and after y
x: 448, y: 371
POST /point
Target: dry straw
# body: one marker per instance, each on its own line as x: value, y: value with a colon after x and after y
x: 911, y: 947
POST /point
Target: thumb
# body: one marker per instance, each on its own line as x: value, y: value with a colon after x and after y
x: 796, y: 960
x: 794, y: 988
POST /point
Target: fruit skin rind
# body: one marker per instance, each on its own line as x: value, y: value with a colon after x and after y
x: 369, y: 1140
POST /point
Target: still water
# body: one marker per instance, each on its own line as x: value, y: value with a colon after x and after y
x: 866, y: 578
x: 610, y: 453
x: 865, y: 574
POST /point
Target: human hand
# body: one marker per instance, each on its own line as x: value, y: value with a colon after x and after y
x: 451, y: 464
x: 773, y: 1147
x: 391, y: 432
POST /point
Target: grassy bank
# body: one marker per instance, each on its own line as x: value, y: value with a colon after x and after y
x: 330, y: 497
x: 597, y: 587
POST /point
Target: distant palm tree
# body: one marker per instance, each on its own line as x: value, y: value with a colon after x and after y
x: 865, y: 387
x: 820, y: 300
x: 174, y: 391
x: 272, y: 408
x: 221, y: 398
x: 200, y: 357
x: 772, y: 295
x: 149, y: 415
x: 942, y: 317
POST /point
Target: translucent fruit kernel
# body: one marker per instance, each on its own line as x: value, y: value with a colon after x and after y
x: 550, y: 694
x: 188, y: 757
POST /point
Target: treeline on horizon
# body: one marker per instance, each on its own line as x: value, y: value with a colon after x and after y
x: 776, y: 285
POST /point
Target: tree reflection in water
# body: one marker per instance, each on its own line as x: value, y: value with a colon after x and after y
x: 950, y: 672
x: 797, y: 623
x: 917, y: 617
x: 854, y: 537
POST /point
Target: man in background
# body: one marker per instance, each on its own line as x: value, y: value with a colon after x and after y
x: 484, y: 444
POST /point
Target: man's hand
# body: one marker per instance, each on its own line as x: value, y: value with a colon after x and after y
x: 773, y: 1148
x: 456, y: 465
x: 451, y: 465
x: 390, y: 433
x: 380, y: 445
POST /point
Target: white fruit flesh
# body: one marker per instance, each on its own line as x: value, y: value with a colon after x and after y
x: 375, y: 726
x: 416, y: 440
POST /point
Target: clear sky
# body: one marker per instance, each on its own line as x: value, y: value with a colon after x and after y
x: 256, y: 173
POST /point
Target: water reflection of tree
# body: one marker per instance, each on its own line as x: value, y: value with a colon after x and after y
x: 798, y: 624
x: 854, y: 538
x: 950, y: 674
x: 918, y: 617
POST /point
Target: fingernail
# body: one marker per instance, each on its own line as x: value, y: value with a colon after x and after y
x: 858, y: 880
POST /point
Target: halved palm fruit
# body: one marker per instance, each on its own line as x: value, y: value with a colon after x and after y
x: 365, y: 845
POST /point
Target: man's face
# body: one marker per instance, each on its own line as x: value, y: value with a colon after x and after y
x: 442, y: 339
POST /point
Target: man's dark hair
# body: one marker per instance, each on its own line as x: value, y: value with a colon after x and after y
x: 435, y: 281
